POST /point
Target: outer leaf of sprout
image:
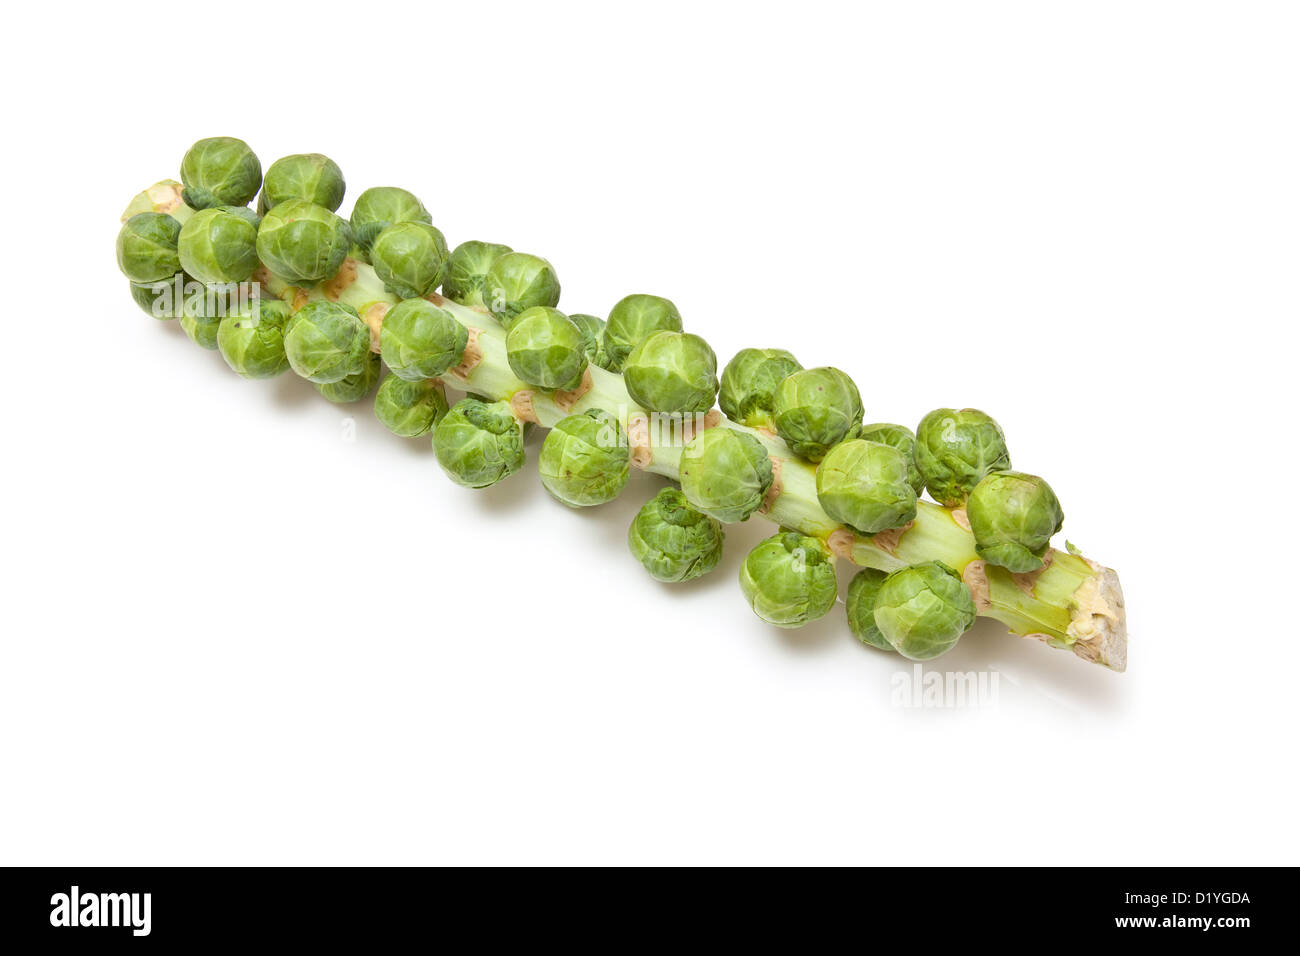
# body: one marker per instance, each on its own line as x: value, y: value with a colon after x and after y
x: 326, y: 342
x: 634, y: 318
x: 354, y: 387
x: 419, y: 340
x: 378, y: 208
x: 219, y: 245
x: 955, y: 449
x: 517, y: 282
x: 672, y: 372
x: 592, y: 328
x: 816, y: 409
x: 1013, y: 517
x: 789, y: 580
x: 584, y: 460
x: 862, y: 607
x: 923, y: 609
x: 479, y: 443
x: 410, y: 258
x: 900, y: 437
x: 221, y: 171
x: 203, y: 313
x: 146, y: 247
x: 544, y: 348
x: 251, y: 339
x: 864, y: 485
x: 308, y: 176
x: 674, y: 541
x: 467, y: 270
x: 725, y: 473
x: 163, y: 300
x: 303, y: 242
x: 410, y: 409
x: 749, y: 383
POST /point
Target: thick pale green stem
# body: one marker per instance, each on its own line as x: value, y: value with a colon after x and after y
x: 1073, y: 603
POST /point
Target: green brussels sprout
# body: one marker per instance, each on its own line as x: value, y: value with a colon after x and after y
x: 479, y: 443
x: 725, y: 473
x: 955, y: 450
x: 251, y: 339
x: 674, y: 541
x: 592, y: 328
x: 326, y: 342
x: 146, y: 247
x: 900, y: 437
x: 218, y: 246
x: 923, y: 609
x: 308, y: 176
x: 410, y: 409
x: 203, y: 312
x: 419, y: 340
x: 378, y: 208
x: 1013, y: 517
x: 544, y: 349
x: 789, y: 579
x: 862, y: 607
x: 517, y: 282
x: 672, y: 372
x: 815, y: 409
x: 584, y: 460
x: 303, y: 242
x: 409, y: 258
x: 164, y: 299
x: 354, y: 387
x: 863, y: 484
x: 749, y: 384
x: 221, y: 171
x: 467, y: 270
x: 634, y: 318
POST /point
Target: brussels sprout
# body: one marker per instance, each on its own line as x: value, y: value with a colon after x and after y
x: 303, y: 242
x: 789, y: 579
x: 545, y: 349
x: 218, y: 246
x: 164, y: 299
x: 592, y: 328
x: 479, y: 443
x: 900, y: 437
x: 584, y: 459
x: 749, y: 384
x: 378, y: 208
x: 816, y: 408
x: 419, y: 340
x: 864, y: 485
x: 221, y: 171
x: 634, y: 318
x: 922, y: 610
x: 517, y: 282
x: 1013, y: 517
x: 251, y: 339
x: 146, y: 247
x: 467, y: 270
x: 410, y: 409
x: 409, y: 258
x: 308, y: 176
x: 326, y: 342
x: 203, y: 313
x: 354, y: 387
x: 955, y: 450
x: 672, y: 372
x: 862, y: 607
x: 725, y: 473
x: 674, y: 541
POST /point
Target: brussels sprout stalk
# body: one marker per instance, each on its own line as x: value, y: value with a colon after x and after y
x: 1070, y: 603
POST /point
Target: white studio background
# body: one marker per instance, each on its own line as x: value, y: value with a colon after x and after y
x: 232, y: 636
